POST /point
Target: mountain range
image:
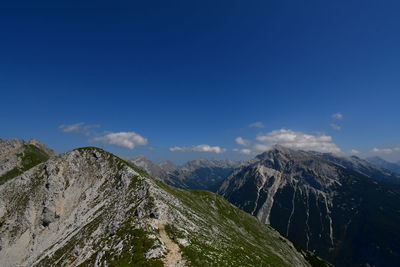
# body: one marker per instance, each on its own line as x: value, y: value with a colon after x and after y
x: 88, y: 207
x: 394, y: 167
x: 201, y: 173
x: 344, y: 209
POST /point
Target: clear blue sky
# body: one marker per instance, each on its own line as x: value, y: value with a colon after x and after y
x: 183, y: 74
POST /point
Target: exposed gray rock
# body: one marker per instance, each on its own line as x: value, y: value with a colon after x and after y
x: 12, y: 152
x: 9, y: 150
x: 372, y: 170
x: 323, y: 202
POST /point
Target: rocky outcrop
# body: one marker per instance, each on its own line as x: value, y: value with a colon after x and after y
x: 17, y: 156
x: 335, y: 211
x: 9, y: 150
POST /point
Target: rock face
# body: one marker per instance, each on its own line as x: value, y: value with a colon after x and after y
x: 394, y: 167
x: 17, y: 156
x: 340, y: 214
x: 370, y: 169
x: 207, y: 174
x: 88, y: 207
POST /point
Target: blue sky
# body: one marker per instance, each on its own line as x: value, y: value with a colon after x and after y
x: 153, y: 75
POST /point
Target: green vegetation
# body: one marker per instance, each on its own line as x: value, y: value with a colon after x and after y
x: 30, y: 157
x: 229, y: 236
x: 135, y: 244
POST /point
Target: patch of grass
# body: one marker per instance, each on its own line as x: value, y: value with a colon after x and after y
x: 135, y: 245
x: 30, y: 157
x: 9, y: 175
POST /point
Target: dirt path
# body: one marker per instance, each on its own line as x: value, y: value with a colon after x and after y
x: 174, y: 255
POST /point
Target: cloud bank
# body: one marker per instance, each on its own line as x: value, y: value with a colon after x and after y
x: 80, y: 128
x: 199, y: 148
x: 297, y: 140
x: 257, y: 124
x: 122, y: 139
x: 241, y: 141
x: 386, y: 150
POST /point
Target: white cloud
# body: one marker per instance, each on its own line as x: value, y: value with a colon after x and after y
x: 80, y: 128
x: 122, y: 139
x: 354, y: 151
x: 336, y: 127
x: 296, y: 140
x: 241, y: 141
x: 199, y: 148
x: 73, y: 128
x: 337, y: 116
x: 257, y: 124
x: 262, y: 147
x: 244, y: 151
x: 386, y: 150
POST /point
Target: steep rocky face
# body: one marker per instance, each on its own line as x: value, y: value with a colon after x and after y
x: 372, y: 170
x: 201, y: 173
x: 394, y: 167
x: 340, y: 214
x: 17, y: 156
x: 89, y: 208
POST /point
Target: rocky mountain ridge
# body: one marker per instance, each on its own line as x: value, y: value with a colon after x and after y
x: 391, y: 166
x: 363, y: 166
x: 339, y: 213
x: 88, y: 207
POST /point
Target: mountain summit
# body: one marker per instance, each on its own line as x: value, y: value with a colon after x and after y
x: 332, y: 209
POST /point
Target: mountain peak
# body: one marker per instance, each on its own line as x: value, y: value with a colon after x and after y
x: 310, y: 196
